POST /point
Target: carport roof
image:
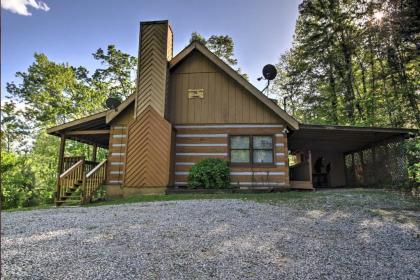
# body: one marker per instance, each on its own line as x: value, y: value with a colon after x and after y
x: 343, y: 138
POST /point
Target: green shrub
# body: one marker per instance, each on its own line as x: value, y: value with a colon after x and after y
x: 210, y: 173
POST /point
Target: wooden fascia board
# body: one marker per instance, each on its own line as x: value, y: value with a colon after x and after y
x: 294, y: 124
x: 359, y: 129
x: 112, y: 114
x: 88, y: 132
x: 181, y: 55
x: 57, y: 128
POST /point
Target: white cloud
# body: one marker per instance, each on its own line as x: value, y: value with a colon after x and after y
x: 21, y: 6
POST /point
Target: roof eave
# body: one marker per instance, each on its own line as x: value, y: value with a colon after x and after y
x: 55, y: 130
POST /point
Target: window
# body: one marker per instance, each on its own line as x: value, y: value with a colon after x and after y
x: 262, y: 149
x: 240, y: 149
x: 251, y: 149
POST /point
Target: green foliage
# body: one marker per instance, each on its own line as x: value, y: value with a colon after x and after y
x: 13, y: 128
x: 412, y: 150
x: 197, y: 37
x: 53, y: 93
x: 210, y: 173
x: 353, y: 62
x: 18, y: 181
x: 116, y: 79
x: 222, y: 46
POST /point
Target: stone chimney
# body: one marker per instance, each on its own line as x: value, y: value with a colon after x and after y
x: 155, y: 50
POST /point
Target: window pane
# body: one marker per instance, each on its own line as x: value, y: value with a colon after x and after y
x: 239, y: 156
x: 263, y: 156
x: 263, y: 142
x: 239, y: 142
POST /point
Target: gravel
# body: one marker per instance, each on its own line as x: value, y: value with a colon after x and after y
x: 209, y: 239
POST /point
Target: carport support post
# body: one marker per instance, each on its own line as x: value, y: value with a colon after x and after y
x: 353, y: 169
x: 94, y: 152
x: 310, y: 165
x: 60, y: 163
x: 363, y: 169
x: 374, y: 161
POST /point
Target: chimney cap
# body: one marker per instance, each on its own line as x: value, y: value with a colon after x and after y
x: 154, y: 22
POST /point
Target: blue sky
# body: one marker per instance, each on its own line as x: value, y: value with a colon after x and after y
x: 71, y: 30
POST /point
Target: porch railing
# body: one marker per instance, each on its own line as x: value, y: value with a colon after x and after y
x: 70, y: 178
x: 70, y: 161
x: 93, y: 180
x: 81, y: 174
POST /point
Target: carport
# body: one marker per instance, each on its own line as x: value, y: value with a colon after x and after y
x: 335, y: 156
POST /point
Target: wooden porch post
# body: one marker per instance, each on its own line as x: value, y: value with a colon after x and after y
x: 94, y: 152
x: 60, y: 163
x: 310, y: 166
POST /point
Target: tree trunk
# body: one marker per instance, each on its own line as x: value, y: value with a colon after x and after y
x: 334, y: 102
x: 348, y: 81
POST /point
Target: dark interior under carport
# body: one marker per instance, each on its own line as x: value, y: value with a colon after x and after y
x: 335, y: 156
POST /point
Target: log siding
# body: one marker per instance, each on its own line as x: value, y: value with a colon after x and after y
x: 117, y: 153
x: 197, y: 142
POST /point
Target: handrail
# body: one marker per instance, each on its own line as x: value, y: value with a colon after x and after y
x: 69, y: 180
x: 96, y: 168
x: 93, y: 180
x: 71, y: 168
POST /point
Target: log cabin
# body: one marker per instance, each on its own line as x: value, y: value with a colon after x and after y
x: 194, y: 106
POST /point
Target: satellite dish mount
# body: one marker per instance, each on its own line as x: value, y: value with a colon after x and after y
x: 269, y: 73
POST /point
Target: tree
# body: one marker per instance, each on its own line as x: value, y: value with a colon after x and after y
x: 117, y: 78
x: 222, y: 46
x: 354, y: 62
x: 14, y: 129
x: 54, y: 92
x: 197, y: 37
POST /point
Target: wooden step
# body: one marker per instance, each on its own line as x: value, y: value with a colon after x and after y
x: 71, y: 197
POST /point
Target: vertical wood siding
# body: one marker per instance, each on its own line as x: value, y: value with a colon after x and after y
x: 225, y: 101
x: 196, y: 142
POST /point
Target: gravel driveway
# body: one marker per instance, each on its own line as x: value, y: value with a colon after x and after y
x: 205, y: 239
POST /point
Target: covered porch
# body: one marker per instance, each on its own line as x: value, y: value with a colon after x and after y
x: 79, y: 176
x: 338, y: 156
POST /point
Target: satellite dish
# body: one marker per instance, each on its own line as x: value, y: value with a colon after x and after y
x: 112, y: 102
x: 269, y: 72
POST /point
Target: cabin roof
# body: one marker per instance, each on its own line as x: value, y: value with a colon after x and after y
x: 345, y: 139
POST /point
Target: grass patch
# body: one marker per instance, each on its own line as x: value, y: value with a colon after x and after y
x: 329, y: 199
x: 259, y: 197
x: 326, y: 199
x: 43, y: 206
